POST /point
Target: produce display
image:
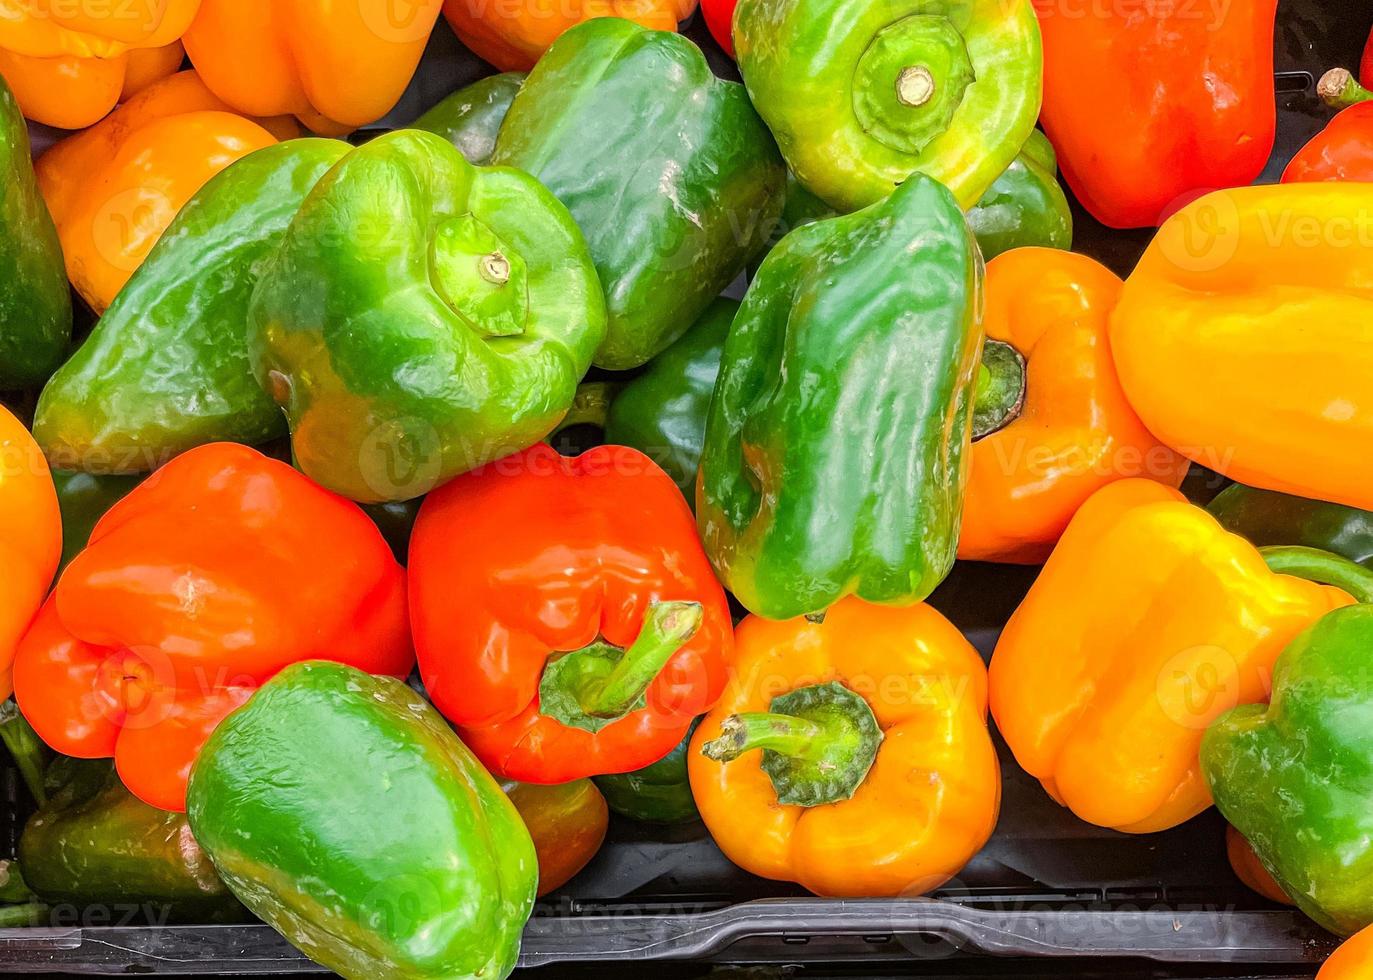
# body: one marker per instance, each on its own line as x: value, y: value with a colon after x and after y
x: 405, y: 490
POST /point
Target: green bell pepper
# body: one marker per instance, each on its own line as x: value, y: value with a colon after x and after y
x: 660, y: 793
x: 344, y: 812
x: 95, y: 843
x: 671, y: 175
x: 83, y: 499
x: 1025, y: 206
x: 862, y: 94
x: 1295, y: 777
x: 395, y: 520
x: 35, y: 301
x: 845, y: 403
x: 471, y: 117
x: 1267, y: 517
x: 166, y: 368
x: 422, y: 317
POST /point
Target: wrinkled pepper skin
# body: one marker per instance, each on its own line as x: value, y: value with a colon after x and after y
x: 166, y: 368
x: 471, y: 117
x: 1243, y: 342
x: 659, y: 793
x: 95, y: 843
x: 1147, y: 623
x: 1152, y: 104
x: 1248, y: 869
x: 1295, y: 776
x: 662, y: 412
x: 672, y: 211
x: 567, y: 823
x: 1353, y: 960
x: 1025, y: 206
x: 932, y: 796
x: 861, y: 95
x: 343, y: 811
x: 218, y: 571
x: 83, y: 499
x: 35, y: 304
x: 422, y: 317
x: 335, y: 66
x: 1265, y: 517
x: 1075, y: 432
x: 871, y: 320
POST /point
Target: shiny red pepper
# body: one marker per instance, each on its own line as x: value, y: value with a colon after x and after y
x: 1366, y: 67
x: 1344, y: 149
x: 719, y: 15
x: 565, y: 615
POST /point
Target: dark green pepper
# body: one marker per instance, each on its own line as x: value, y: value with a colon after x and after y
x: 95, y: 843
x: 422, y: 317
x: 166, y: 368
x: 471, y: 117
x: 83, y: 499
x: 35, y: 301
x: 845, y: 405
x: 1267, y: 517
x: 396, y: 520
x: 1026, y: 206
x: 660, y: 793
x: 671, y: 175
x: 344, y: 812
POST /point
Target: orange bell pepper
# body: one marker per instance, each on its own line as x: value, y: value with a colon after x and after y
x: 877, y: 776
x: 1250, y: 870
x: 1352, y: 961
x: 206, y: 580
x: 30, y: 537
x: 148, y: 66
x: 115, y: 187
x: 336, y: 66
x: 1244, y: 338
x: 1073, y: 432
x: 1147, y: 623
x: 513, y: 34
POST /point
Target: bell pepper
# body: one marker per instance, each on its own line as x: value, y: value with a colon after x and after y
x: 567, y: 823
x: 30, y: 537
x: 1295, y: 777
x: 214, y: 574
x: 1268, y: 518
x: 1344, y: 149
x: 344, y: 813
x: 166, y: 368
x: 719, y: 17
x: 422, y: 317
x: 1024, y: 206
x: 471, y: 117
x: 658, y: 793
x: 1147, y: 623
x: 686, y: 183
x: 845, y: 403
x: 1152, y: 104
x: 95, y: 843
x: 148, y: 66
x: 876, y: 776
x: 861, y: 95
x: 1243, y: 340
x: 395, y: 520
x: 35, y: 304
x: 335, y: 66
x: 1250, y: 870
x: 1352, y: 961
x: 83, y: 498
x: 595, y: 662
x: 514, y: 35
x: 1061, y: 428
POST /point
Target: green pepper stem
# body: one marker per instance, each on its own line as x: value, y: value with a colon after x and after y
x: 591, y: 406
x: 786, y: 735
x: 30, y: 754
x: 13, y: 889
x: 1321, y: 566
x: 999, y: 395
x: 667, y: 625
x: 15, y: 916
x: 1339, y: 89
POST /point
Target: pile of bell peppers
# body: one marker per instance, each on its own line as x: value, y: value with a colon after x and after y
x: 309, y: 617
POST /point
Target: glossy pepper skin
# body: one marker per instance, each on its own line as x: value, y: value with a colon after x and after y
x: 567, y: 823
x: 1150, y: 105
x: 1250, y: 870
x: 871, y: 322
x: 1074, y: 432
x: 861, y: 95
x: 342, y: 811
x: 336, y: 66
x: 1265, y: 517
x: 83, y: 499
x: 471, y: 117
x: 595, y: 555
x: 658, y: 793
x: 95, y: 843
x: 1344, y: 149
x: 672, y: 211
x: 422, y: 317
x: 1148, y: 621
x: 30, y: 537
x: 1025, y: 206
x: 35, y: 304
x: 209, y: 578
x: 1353, y: 960
x: 719, y: 17
x: 1295, y: 776
x: 166, y: 368
x: 932, y: 795
x: 1241, y: 339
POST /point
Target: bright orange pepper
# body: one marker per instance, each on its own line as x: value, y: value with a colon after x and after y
x: 1250, y: 870
x: 115, y: 187
x: 931, y: 798
x: 30, y: 537
x: 1244, y: 337
x: 337, y: 66
x: 148, y: 66
x: 1352, y: 961
x: 512, y: 34
x: 1075, y: 432
x: 1147, y: 623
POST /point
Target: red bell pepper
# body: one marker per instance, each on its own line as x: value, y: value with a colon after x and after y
x: 566, y: 617
x: 205, y: 581
x: 719, y: 15
x: 1366, y: 67
x: 1344, y: 149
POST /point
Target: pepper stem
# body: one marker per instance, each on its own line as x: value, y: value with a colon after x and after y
x: 1339, y: 89
x: 1320, y: 566
x: 28, y: 750
x: 787, y: 734
x: 1001, y: 384
x: 495, y: 268
x: 915, y: 86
